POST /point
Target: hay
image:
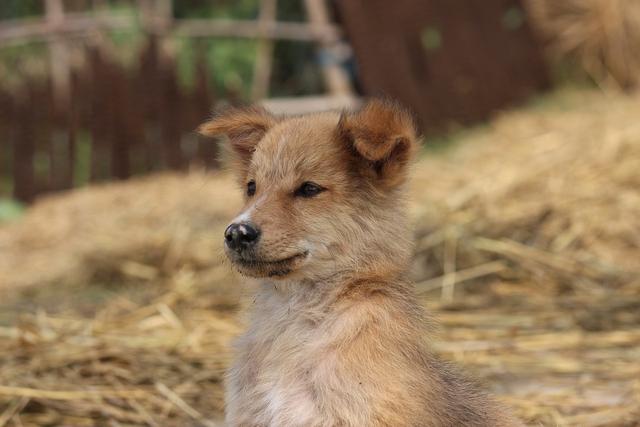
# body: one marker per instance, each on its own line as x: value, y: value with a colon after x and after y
x: 543, y: 211
x: 552, y: 195
x: 602, y: 35
x: 527, y: 249
x: 129, y: 364
x: 130, y: 234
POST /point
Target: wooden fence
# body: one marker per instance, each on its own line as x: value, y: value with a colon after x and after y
x: 118, y: 123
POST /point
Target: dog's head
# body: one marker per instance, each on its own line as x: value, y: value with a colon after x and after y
x: 323, y: 192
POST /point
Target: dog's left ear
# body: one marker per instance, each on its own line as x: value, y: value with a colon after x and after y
x: 244, y: 127
x: 383, y: 137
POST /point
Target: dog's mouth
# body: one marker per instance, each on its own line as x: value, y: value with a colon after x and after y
x: 258, y: 267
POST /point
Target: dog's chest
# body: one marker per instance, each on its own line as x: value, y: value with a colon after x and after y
x: 289, y: 362
x: 289, y: 403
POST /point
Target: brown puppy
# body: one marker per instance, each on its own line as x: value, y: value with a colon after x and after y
x: 337, y: 336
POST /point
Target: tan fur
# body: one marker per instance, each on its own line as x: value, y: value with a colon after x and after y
x: 336, y: 335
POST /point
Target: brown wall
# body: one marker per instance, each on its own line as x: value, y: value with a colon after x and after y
x: 452, y: 61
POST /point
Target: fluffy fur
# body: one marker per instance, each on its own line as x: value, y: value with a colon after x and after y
x: 336, y: 335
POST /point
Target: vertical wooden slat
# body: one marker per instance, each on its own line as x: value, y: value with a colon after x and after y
x: 156, y: 18
x: 170, y: 118
x: 136, y: 122
x: 58, y: 54
x: 202, y: 103
x: 23, y: 153
x: 57, y: 127
x: 174, y: 110
x: 73, y: 119
x: 120, y: 106
x: 164, y: 11
x: 6, y: 135
x: 101, y: 113
x: 51, y: 123
x: 146, y: 89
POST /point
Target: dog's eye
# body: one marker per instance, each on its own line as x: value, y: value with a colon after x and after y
x: 308, y: 189
x: 251, y: 188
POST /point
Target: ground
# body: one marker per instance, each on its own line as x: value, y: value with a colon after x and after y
x: 119, y: 307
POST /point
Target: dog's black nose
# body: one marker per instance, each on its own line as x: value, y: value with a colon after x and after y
x: 241, y: 236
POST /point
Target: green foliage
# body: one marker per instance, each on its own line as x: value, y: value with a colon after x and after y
x: 230, y: 62
x: 19, y: 61
x: 431, y: 38
x: 291, y: 10
x: 10, y: 210
x: 236, y: 9
x: 13, y: 9
x: 82, y: 166
x: 513, y: 18
x: 294, y: 70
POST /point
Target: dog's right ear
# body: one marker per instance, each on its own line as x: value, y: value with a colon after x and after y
x: 382, y: 135
x: 244, y: 127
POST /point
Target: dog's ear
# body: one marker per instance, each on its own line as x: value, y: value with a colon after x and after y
x: 244, y: 127
x: 382, y: 135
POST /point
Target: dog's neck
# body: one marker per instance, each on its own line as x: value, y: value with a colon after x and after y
x: 325, y: 288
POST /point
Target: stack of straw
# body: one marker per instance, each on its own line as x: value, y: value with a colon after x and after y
x: 602, y: 35
x: 121, y: 308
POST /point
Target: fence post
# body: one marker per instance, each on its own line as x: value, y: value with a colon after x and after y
x: 58, y: 54
x: 24, y: 181
x: 336, y: 78
x: 264, y: 52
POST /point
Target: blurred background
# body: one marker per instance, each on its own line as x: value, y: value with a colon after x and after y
x: 117, y: 307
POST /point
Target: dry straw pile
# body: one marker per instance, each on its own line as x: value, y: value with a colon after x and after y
x: 120, y: 309
x: 602, y: 35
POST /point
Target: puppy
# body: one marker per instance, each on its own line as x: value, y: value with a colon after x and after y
x: 336, y: 335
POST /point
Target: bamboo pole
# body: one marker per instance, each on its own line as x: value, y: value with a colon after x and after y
x: 59, y: 55
x: 295, y: 31
x: 336, y: 78
x: 24, y: 31
x: 264, y: 52
x: 164, y: 23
